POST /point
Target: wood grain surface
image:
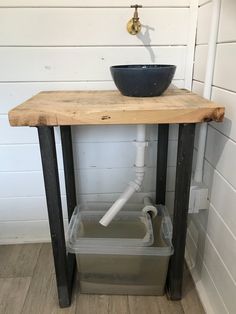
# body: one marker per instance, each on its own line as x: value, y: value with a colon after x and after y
x: 110, y: 107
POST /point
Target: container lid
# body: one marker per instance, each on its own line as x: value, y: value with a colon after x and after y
x: 83, y: 241
x: 128, y: 228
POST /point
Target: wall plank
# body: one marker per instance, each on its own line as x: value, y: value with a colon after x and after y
x: 198, y: 87
x: 228, y: 99
x: 16, y: 135
x: 200, y: 63
x: 80, y: 64
x: 117, y: 133
x: 203, y: 25
x: 86, y: 155
x: 90, y: 181
x: 89, y: 3
x: 26, y: 184
x: 26, y: 208
x: 85, y: 27
x: 227, y: 21
x: 225, y: 74
x: 24, y: 231
x: 221, y: 153
x: 110, y: 133
x: 222, y: 196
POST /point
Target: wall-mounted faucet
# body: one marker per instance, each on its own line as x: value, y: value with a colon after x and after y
x: 134, y: 25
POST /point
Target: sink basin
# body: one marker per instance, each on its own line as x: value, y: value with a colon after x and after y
x: 142, y: 80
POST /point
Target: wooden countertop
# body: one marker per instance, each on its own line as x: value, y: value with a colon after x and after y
x: 110, y: 107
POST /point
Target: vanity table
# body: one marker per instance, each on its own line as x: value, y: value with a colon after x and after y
x: 47, y: 110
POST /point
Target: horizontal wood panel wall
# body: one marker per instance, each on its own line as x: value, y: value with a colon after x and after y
x: 69, y: 45
x: 90, y: 3
x: 212, y: 233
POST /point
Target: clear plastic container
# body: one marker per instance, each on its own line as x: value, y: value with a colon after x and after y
x: 106, y: 269
x: 128, y: 228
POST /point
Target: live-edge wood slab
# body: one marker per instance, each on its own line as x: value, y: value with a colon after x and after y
x: 110, y: 107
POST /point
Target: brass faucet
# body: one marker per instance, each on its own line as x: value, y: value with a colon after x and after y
x: 134, y: 25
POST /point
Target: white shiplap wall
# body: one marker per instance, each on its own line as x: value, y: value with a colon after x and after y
x: 212, y: 234
x: 56, y: 45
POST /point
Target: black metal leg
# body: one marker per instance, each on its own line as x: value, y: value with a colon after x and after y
x: 68, y: 161
x: 62, y: 262
x: 182, y: 188
x: 69, y: 171
x: 162, y: 151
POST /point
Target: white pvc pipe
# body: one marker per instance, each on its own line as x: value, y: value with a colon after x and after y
x: 116, y: 207
x: 134, y: 185
x: 198, y: 176
x: 141, y: 133
x: 140, y: 146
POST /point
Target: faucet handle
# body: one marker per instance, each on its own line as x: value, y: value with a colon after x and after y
x: 136, y: 6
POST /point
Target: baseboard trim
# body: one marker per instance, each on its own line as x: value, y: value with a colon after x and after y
x: 23, y: 241
x: 200, y: 291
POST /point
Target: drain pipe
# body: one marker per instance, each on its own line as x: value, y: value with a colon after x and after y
x: 133, y: 186
x: 198, y: 176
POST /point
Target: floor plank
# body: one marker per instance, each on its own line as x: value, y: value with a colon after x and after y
x: 18, y: 260
x: 141, y: 305
x: 42, y: 295
x: 92, y: 304
x: 12, y: 294
x: 166, y: 306
x: 118, y: 304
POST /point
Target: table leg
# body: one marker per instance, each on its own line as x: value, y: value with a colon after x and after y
x: 63, y: 262
x: 182, y: 188
x: 162, y: 151
x: 68, y: 161
x: 69, y: 171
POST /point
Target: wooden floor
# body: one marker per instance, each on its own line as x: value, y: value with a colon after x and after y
x: 27, y: 285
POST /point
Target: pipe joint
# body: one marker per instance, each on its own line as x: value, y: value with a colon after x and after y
x: 135, y: 185
x: 139, y: 169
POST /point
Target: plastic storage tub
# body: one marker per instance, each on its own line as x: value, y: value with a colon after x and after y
x: 106, y: 269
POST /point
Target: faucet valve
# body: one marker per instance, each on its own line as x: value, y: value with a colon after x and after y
x: 134, y: 25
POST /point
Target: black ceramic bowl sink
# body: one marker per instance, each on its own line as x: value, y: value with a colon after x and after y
x: 142, y: 80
